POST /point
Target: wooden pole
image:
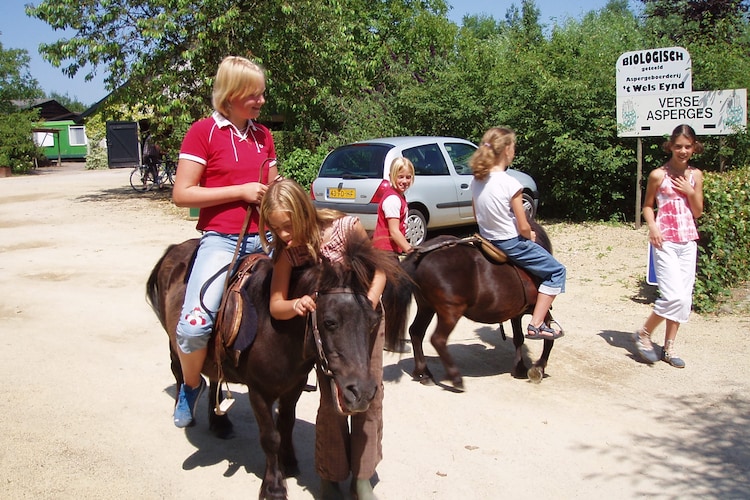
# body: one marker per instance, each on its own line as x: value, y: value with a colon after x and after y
x: 638, y: 175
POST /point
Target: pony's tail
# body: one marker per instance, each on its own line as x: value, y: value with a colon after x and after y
x: 542, y: 238
x: 396, y: 301
x: 152, y: 289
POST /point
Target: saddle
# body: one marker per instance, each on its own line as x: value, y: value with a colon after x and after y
x: 489, y: 250
x: 229, y: 316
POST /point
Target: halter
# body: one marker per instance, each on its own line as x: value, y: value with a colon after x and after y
x: 313, y: 326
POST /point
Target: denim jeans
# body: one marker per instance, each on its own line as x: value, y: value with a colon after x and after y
x: 206, y: 286
x: 536, y: 260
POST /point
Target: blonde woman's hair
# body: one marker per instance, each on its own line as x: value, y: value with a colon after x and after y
x: 397, y: 164
x: 493, y: 145
x: 236, y: 77
x: 288, y: 196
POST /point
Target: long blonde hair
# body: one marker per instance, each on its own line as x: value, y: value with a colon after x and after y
x: 236, y: 77
x: 492, y: 147
x: 288, y: 196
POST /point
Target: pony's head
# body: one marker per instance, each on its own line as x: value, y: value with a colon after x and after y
x: 348, y: 322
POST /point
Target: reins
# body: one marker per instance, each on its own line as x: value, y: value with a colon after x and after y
x: 468, y: 240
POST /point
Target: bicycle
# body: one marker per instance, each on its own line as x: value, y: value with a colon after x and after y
x: 144, y: 177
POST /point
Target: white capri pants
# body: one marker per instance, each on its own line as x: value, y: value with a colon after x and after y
x: 674, y: 264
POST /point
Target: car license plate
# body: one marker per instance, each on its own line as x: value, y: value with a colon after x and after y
x: 342, y: 194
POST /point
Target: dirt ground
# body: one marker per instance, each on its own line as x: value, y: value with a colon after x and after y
x: 86, y: 398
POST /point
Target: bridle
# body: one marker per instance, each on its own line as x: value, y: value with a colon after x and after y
x: 312, y: 326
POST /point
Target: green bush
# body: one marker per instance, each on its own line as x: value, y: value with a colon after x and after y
x: 96, y: 159
x: 17, y: 149
x: 724, y: 254
x: 302, y: 165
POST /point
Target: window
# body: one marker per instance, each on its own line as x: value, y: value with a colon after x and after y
x: 356, y: 162
x: 77, y: 135
x: 44, y: 139
x: 427, y: 160
x: 460, y: 154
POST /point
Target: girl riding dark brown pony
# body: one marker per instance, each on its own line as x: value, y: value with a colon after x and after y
x: 452, y: 277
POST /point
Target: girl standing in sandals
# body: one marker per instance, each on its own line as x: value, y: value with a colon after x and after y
x: 676, y: 189
x: 498, y: 207
x: 302, y: 236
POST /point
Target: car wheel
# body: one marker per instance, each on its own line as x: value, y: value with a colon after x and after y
x: 528, y: 206
x: 416, y: 227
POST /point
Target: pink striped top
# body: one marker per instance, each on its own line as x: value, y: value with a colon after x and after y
x: 332, y: 249
x: 674, y: 218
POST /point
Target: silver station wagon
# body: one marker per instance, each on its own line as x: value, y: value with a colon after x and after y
x: 353, y: 177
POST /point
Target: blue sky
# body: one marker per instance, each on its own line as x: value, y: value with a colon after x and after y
x: 17, y: 31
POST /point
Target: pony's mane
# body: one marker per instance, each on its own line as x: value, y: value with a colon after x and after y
x: 358, y: 266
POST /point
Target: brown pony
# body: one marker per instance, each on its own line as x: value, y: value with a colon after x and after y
x: 276, y: 365
x: 452, y: 278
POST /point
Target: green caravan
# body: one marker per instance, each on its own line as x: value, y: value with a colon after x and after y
x: 63, y: 139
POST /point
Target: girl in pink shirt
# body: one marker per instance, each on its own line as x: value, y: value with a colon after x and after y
x: 676, y: 189
x: 345, y: 446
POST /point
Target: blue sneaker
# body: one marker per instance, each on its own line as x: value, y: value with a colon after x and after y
x: 185, y: 408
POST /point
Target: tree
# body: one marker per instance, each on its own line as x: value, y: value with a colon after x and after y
x: 716, y: 33
x: 16, y: 83
x: 559, y: 94
x: 17, y: 150
x: 71, y: 103
x: 163, y: 53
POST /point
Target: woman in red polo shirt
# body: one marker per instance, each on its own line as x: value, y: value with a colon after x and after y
x: 225, y: 162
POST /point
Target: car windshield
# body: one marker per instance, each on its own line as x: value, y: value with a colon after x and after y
x: 356, y: 161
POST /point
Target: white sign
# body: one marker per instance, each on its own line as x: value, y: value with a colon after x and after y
x: 717, y: 112
x: 654, y: 71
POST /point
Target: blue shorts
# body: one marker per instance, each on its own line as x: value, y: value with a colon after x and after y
x: 206, y: 286
x: 536, y: 260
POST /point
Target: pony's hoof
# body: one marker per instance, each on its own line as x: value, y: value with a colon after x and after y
x: 536, y: 374
x: 422, y: 378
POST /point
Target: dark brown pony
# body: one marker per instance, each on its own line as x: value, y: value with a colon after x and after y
x: 276, y: 366
x: 452, y: 278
